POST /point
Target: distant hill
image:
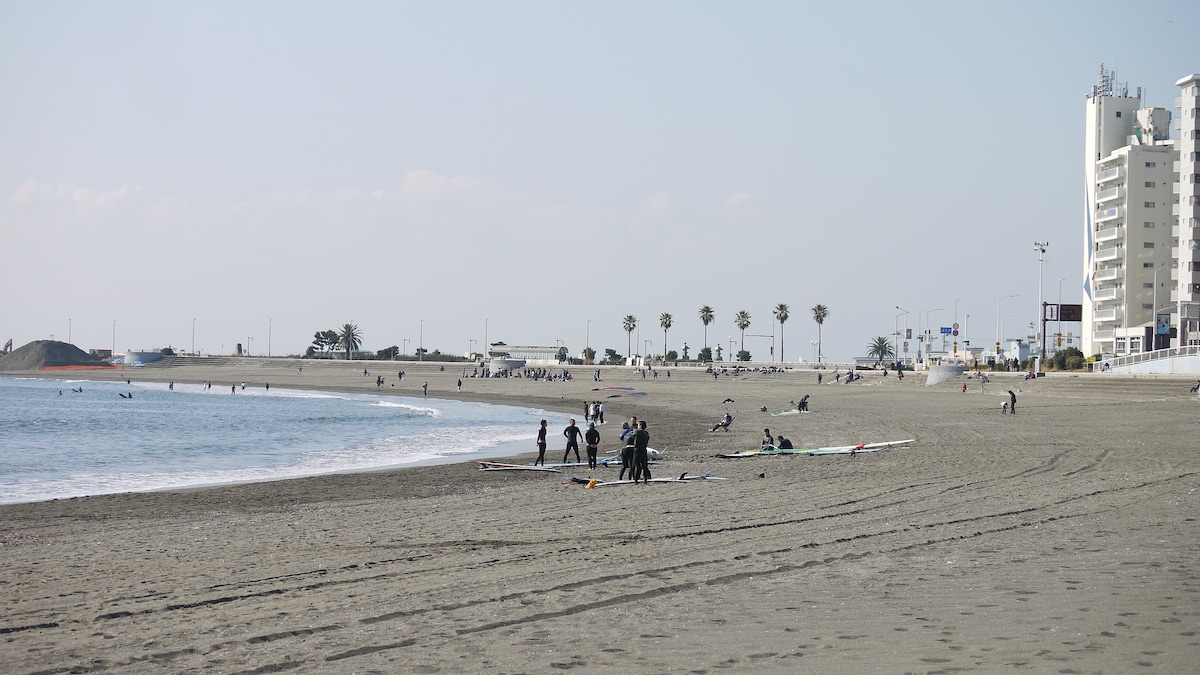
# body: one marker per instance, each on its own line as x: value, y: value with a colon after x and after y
x: 47, y: 353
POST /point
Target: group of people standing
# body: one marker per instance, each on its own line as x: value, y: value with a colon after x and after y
x: 593, y: 411
x: 635, y: 453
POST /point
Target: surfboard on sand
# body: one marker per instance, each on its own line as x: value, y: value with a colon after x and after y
x: 596, y: 482
x: 501, y: 466
x: 782, y: 413
x: 834, y: 450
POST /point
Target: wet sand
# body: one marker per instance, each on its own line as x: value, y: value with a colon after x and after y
x: 1061, y: 539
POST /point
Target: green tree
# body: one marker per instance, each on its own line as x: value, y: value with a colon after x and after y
x: 589, y: 355
x: 880, y: 348
x: 706, y: 317
x: 704, y: 355
x: 781, y: 315
x: 819, y: 312
x: 742, y: 321
x: 743, y: 355
x: 349, y: 338
x: 666, y: 321
x: 629, y: 323
x: 611, y: 357
x: 388, y: 354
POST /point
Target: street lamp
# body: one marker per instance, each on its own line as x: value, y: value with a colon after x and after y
x: 1154, y: 316
x: 1058, y: 327
x: 193, y: 337
x: 814, y: 344
x: 587, y: 337
x: 269, y: 327
x: 248, y: 339
x: 928, y: 332
x: 404, y: 343
x: 999, y: 324
x: 421, y: 342
x: 471, y: 347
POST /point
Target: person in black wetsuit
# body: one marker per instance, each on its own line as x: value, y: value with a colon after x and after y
x: 1012, y: 406
x: 627, y: 453
x: 592, y: 438
x: 641, y: 455
x: 572, y: 433
x: 802, y: 406
x: 541, y: 445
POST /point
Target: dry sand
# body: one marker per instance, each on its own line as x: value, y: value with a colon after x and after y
x: 1060, y: 540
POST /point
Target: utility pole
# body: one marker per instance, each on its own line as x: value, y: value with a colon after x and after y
x: 1040, y: 247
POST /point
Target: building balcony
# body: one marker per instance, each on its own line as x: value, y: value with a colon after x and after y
x: 1105, y: 294
x: 1108, y: 195
x: 1107, y: 275
x: 1108, y: 214
x: 1102, y: 336
x: 1110, y: 174
x: 1104, y: 315
x: 1111, y: 253
x: 1110, y: 234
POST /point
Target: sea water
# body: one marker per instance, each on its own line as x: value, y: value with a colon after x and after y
x: 70, y: 438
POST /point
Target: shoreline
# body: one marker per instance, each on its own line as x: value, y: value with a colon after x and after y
x: 1061, y: 537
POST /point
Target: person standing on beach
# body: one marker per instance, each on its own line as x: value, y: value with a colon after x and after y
x: 1012, y: 406
x: 541, y: 445
x: 572, y: 433
x: 601, y: 405
x: 592, y: 439
x: 629, y: 436
x: 425, y: 389
x: 641, y: 453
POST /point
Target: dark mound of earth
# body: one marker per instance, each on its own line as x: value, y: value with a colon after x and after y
x: 42, y: 353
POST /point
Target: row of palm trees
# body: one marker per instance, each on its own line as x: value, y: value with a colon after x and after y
x: 742, y: 320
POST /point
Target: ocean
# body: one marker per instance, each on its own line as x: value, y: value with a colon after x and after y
x: 57, y: 442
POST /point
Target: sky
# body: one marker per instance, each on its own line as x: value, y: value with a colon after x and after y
x: 198, y: 175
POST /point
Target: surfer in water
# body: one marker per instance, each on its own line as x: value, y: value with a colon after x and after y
x: 541, y: 445
x: 641, y: 454
x: 592, y: 438
x: 572, y: 433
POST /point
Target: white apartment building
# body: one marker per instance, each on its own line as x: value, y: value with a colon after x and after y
x: 1129, y: 221
x: 1185, y: 273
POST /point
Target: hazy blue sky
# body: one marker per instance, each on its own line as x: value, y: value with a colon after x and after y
x: 532, y: 166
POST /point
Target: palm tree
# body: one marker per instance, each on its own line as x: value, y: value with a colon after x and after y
x: 742, y: 321
x: 630, y: 323
x: 819, y: 313
x: 880, y: 348
x: 706, y: 317
x: 350, y: 338
x: 665, y: 320
x: 781, y: 315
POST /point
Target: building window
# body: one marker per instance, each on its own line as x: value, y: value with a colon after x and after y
x: 1147, y: 244
x: 1149, y: 225
x: 1118, y: 113
x: 1146, y: 305
x: 1148, y: 284
x: 1150, y: 165
x: 1149, y: 183
x: 1147, y: 266
x: 1148, y: 205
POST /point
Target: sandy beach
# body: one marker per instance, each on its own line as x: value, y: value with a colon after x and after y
x: 1063, y: 539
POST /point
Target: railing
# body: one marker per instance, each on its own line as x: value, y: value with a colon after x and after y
x: 1105, y: 315
x: 1157, y: 355
x: 1102, y: 335
x: 1106, y: 254
x: 1105, y: 195
x: 1108, y: 214
x: 1105, y: 294
x: 1108, y: 234
x: 1107, y: 275
x: 1108, y: 175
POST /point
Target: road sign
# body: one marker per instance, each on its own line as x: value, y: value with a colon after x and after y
x: 955, y: 325
x: 946, y: 330
x: 955, y: 333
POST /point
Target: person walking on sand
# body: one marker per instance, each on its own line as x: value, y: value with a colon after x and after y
x: 541, y: 445
x: 460, y: 384
x: 572, y: 433
x: 1012, y: 405
x: 592, y: 439
x: 641, y: 454
x: 425, y: 389
x: 802, y: 406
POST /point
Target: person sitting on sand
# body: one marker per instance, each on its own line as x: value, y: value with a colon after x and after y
x: 723, y: 424
x: 768, y: 441
x: 784, y: 444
